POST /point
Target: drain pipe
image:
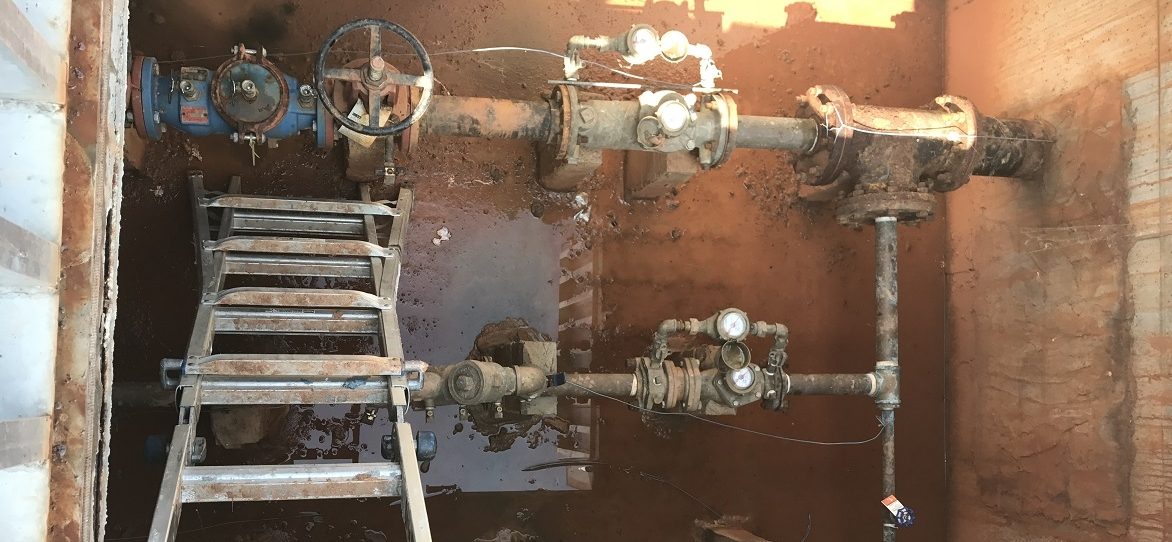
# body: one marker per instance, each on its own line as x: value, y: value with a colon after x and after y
x: 887, y: 350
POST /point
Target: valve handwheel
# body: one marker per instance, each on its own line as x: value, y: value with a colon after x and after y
x: 375, y: 77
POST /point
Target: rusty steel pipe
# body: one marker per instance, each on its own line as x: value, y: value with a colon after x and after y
x: 488, y: 117
x: 834, y: 384
x: 582, y: 384
x: 886, y: 289
x: 1001, y: 147
x: 1012, y: 147
x: 887, y: 348
x: 754, y: 132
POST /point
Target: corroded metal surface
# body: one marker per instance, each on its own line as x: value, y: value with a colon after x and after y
x: 488, y: 117
x: 95, y: 101
x: 832, y: 384
x: 279, y: 245
x: 293, y: 365
x: 233, y: 111
x: 302, y: 205
x: 318, y: 298
x: 291, y: 482
x: 586, y: 385
x: 886, y: 161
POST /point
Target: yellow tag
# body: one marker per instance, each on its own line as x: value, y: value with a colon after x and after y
x: 358, y: 114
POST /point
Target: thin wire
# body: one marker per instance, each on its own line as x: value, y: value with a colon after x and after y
x: 466, y: 51
x: 738, y: 428
x: 913, y: 132
x: 685, y: 492
x: 809, y: 525
x: 198, y: 58
x: 558, y: 55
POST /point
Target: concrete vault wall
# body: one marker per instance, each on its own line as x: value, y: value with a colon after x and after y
x: 1060, y: 300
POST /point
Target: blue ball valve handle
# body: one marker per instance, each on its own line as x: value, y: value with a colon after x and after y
x: 375, y: 76
x: 905, y: 518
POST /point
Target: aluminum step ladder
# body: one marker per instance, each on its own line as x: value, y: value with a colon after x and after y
x: 294, y: 241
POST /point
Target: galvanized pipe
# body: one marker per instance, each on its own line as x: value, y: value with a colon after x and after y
x: 834, y: 384
x: 887, y: 348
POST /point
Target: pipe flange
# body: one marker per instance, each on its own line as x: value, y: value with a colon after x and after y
x: 137, y: 96
x: 651, y: 381
x: 564, y: 100
x: 832, y: 110
x: 909, y: 207
x: 715, y: 153
x: 677, y: 383
x: 776, y: 388
x: 966, y: 119
x: 405, y: 101
x: 695, y: 384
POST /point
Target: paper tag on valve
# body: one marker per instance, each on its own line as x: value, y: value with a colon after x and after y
x: 358, y: 114
x: 904, y: 516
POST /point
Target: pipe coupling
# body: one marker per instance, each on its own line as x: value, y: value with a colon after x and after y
x: 887, y: 373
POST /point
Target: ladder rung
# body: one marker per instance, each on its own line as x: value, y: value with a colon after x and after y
x: 307, y: 297
x: 268, y: 391
x: 302, y: 226
x: 301, y: 205
x: 293, y: 245
x: 297, y: 266
x: 291, y: 482
x: 262, y: 320
x: 309, y: 365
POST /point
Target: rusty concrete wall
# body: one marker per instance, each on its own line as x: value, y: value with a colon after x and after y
x: 1059, y: 290
x: 91, y: 203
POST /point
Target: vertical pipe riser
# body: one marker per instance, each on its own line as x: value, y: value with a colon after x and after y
x: 887, y: 348
x: 887, y: 418
x: 886, y: 290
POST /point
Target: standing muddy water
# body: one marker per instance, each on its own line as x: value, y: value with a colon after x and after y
x: 733, y: 236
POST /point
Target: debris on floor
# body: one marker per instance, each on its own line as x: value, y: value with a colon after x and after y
x: 441, y: 235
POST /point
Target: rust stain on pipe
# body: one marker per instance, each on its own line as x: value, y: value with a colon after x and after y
x: 488, y: 117
x: 614, y: 385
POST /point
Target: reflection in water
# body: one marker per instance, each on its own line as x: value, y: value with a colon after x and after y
x: 448, y: 295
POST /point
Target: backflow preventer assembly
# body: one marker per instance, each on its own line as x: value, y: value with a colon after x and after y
x: 879, y: 165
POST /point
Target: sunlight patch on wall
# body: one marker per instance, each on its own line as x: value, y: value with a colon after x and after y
x: 739, y: 13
